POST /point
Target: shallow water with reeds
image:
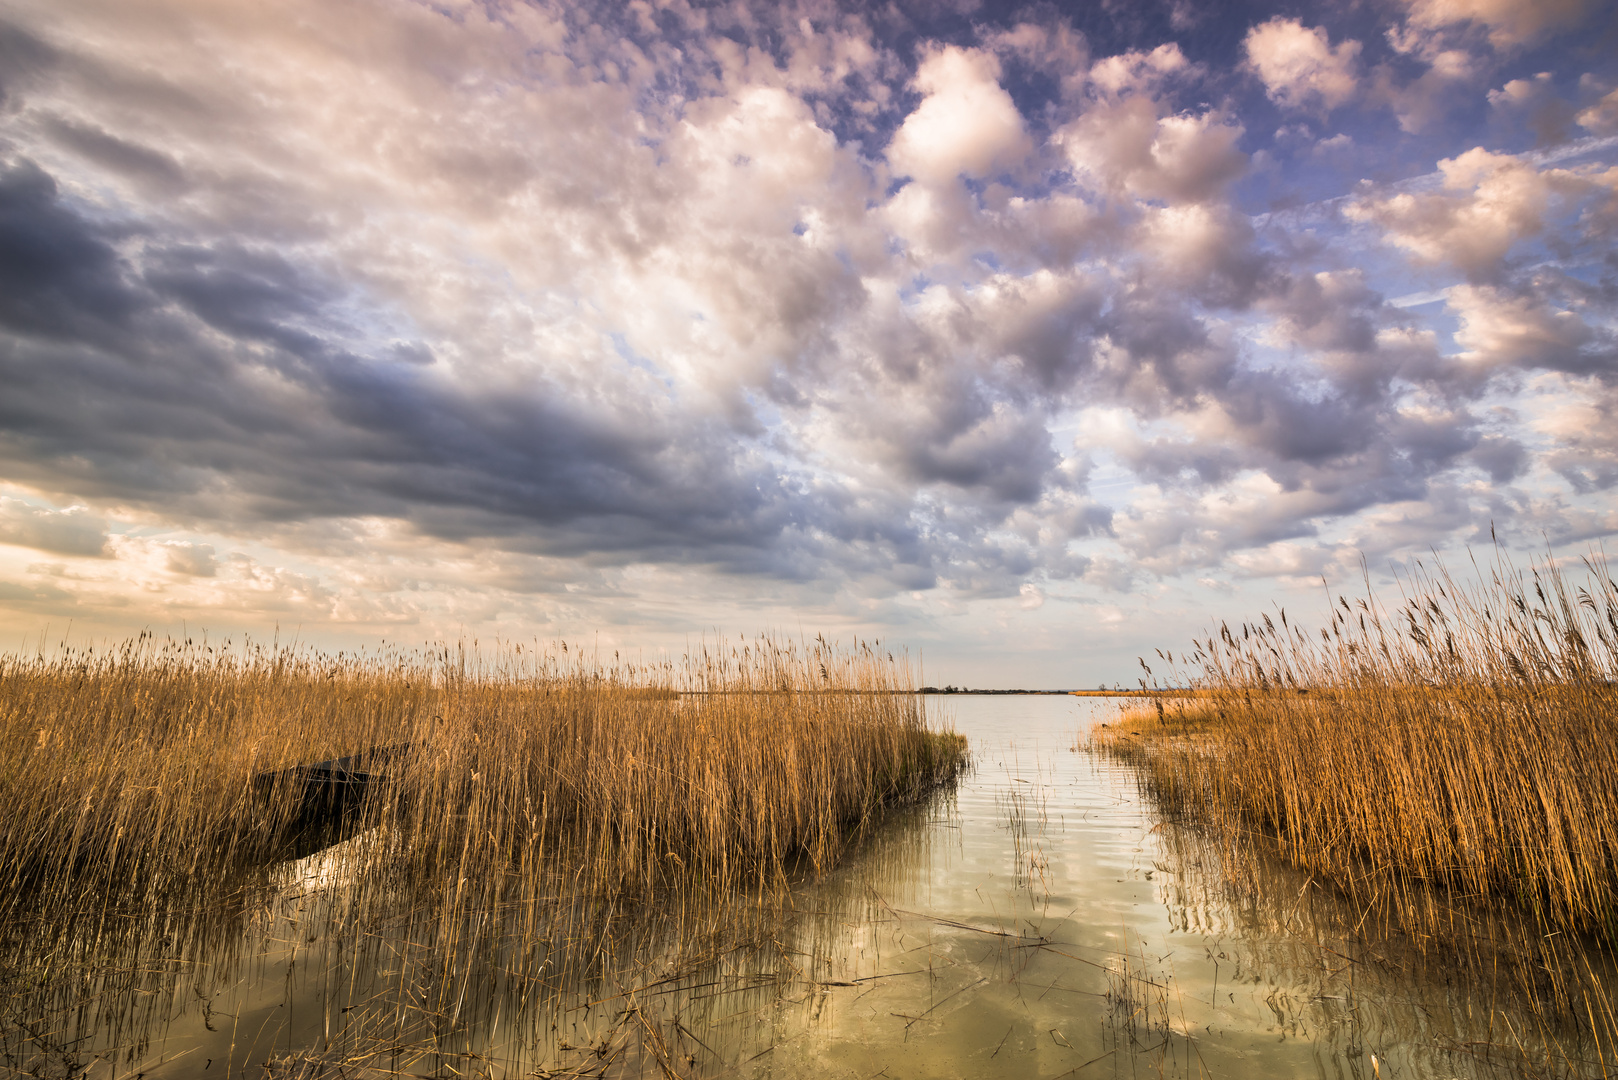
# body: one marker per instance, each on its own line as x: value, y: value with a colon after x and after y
x: 1035, y: 919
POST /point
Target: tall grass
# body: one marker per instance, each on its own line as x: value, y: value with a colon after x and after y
x: 1452, y: 755
x: 538, y: 795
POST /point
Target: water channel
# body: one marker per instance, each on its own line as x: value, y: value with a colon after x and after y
x: 1039, y: 920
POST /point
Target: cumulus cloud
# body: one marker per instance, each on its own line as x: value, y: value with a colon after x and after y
x: 1300, y: 67
x: 1587, y: 443
x: 565, y: 310
x: 1527, y: 327
x: 1138, y: 71
x: 966, y: 124
x: 1130, y: 140
x: 1535, y: 102
x: 1486, y: 205
x: 1602, y: 117
x: 191, y: 559
x: 1509, y: 22
x: 1054, y: 48
x: 1444, y: 86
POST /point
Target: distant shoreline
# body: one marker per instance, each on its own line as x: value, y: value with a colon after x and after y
x: 934, y: 691
x: 947, y: 692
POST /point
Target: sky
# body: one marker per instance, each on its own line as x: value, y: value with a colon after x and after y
x: 1024, y: 338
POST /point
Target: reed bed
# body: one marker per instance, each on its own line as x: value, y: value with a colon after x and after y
x: 1440, y: 761
x: 1333, y: 971
x: 531, y: 801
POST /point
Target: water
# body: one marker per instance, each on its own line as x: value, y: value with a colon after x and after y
x: 1038, y: 921
x: 1054, y: 932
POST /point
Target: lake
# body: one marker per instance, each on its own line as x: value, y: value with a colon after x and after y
x: 1036, y: 920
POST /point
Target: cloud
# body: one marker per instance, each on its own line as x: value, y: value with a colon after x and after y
x: 1587, y: 454
x: 1055, y: 48
x: 1138, y: 71
x: 1128, y: 147
x: 1509, y: 22
x: 1535, y: 102
x: 1444, y: 87
x: 577, y: 313
x: 1206, y: 250
x: 966, y: 125
x: 58, y: 276
x: 301, y: 425
x: 1502, y: 457
x: 1526, y: 327
x: 73, y: 531
x: 1299, y: 66
x: 23, y: 59
x: 1487, y: 204
x: 1602, y: 117
x: 191, y: 559
x: 149, y: 169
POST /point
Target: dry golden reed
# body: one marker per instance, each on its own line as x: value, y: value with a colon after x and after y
x: 1452, y: 755
x: 526, y: 781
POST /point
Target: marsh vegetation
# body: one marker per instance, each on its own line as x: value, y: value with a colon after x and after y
x: 775, y: 860
x: 528, y: 818
x: 1445, y: 768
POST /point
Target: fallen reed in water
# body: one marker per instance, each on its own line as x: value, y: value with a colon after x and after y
x: 1455, y: 754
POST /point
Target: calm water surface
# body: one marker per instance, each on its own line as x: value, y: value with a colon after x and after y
x: 1120, y: 956
x: 1038, y: 921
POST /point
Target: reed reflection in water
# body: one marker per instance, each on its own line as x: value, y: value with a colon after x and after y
x: 1067, y: 929
x: 1037, y: 918
x: 287, y: 975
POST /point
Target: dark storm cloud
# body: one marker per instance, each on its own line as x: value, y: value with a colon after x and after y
x: 59, y: 278
x: 217, y: 379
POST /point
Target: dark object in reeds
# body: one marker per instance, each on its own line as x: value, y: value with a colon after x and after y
x: 328, y: 796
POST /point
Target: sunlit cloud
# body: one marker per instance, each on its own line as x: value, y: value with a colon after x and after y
x: 393, y: 319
